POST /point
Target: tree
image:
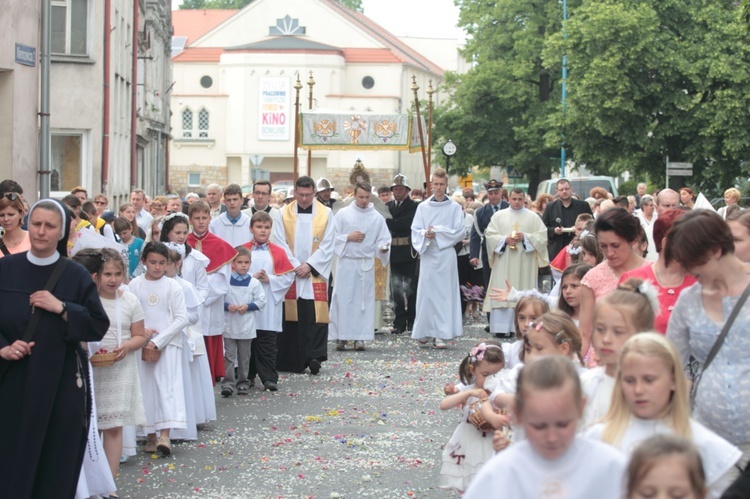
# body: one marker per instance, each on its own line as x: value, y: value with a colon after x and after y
x: 498, y: 112
x: 238, y: 4
x: 651, y: 80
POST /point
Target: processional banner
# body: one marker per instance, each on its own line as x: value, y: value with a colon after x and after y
x: 335, y: 130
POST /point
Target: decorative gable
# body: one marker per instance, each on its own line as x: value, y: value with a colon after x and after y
x: 286, y: 26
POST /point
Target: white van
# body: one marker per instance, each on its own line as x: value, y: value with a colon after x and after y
x: 581, y: 185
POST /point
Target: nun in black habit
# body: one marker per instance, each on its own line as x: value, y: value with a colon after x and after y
x: 44, y: 391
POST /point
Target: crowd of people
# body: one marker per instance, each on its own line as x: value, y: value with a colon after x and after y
x: 613, y: 307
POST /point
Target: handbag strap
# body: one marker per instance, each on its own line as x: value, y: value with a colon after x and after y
x: 4, y: 248
x: 727, y: 326
x: 51, y: 282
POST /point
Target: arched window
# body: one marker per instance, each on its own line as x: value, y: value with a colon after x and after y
x: 187, y: 123
x: 203, y: 124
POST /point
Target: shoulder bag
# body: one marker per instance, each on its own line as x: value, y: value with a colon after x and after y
x: 37, y: 312
x: 717, y: 345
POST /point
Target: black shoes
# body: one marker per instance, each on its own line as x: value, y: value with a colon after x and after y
x: 270, y: 386
x: 314, y: 366
x: 227, y: 392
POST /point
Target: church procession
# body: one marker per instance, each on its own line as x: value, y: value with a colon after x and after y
x: 283, y: 290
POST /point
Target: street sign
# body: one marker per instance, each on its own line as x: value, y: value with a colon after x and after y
x: 680, y: 169
x: 512, y: 173
x: 25, y: 55
x: 467, y: 181
x: 679, y: 172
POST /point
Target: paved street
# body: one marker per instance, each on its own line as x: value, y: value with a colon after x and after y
x: 368, y: 426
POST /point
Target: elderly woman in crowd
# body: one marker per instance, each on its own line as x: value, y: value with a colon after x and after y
x: 731, y: 197
x: 45, y: 396
x: 701, y: 242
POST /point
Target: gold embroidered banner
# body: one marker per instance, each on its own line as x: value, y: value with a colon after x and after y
x: 327, y: 130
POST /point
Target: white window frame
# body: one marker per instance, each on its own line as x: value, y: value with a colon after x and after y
x: 68, y: 30
x: 187, y: 133
x: 204, y: 133
x: 190, y: 176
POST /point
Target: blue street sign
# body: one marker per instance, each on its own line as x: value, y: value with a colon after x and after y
x: 25, y: 55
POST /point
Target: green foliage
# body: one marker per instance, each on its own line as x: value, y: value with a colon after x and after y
x: 655, y: 79
x: 499, y: 111
x: 647, y: 80
x: 238, y: 4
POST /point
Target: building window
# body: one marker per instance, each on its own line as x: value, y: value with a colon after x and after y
x: 69, y: 23
x: 203, y: 124
x: 368, y: 82
x: 206, y: 81
x: 67, y: 161
x: 194, y: 179
x: 187, y: 123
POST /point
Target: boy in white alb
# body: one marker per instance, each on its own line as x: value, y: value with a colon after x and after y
x: 220, y: 254
x: 232, y: 226
x: 271, y: 266
x: 245, y: 297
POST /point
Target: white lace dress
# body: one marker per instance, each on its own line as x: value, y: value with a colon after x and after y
x: 118, y: 388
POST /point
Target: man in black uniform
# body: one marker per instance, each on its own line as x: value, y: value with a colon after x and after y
x: 323, y: 190
x: 403, y: 259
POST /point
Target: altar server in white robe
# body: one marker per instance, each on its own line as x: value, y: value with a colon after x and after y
x: 517, y: 244
x: 232, y: 226
x: 437, y: 227
x: 360, y: 236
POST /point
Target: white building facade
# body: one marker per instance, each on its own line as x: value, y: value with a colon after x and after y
x: 233, y: 99
x: 98, y: 49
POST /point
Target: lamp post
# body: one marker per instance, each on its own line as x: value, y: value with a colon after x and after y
x: 564, y: 87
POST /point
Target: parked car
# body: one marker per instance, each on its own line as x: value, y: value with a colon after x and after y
x: 581, y: 185
x: 282, y: 185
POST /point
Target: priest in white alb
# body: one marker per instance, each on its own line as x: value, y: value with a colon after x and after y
x: 437, y: 227
x: 517, y: 244
x: 360, y: 236
x: 306, y: 234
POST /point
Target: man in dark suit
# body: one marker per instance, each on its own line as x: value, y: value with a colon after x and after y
x: 561, y: 214
x: 403, y: 259
x: 482, y: 216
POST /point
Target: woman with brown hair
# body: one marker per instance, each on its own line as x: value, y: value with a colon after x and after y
x: 14, y: 239
x: 687, y: 197
x: 701, y: 242
x: 616, y: 231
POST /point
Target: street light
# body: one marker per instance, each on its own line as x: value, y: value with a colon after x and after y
x: 564, y: 87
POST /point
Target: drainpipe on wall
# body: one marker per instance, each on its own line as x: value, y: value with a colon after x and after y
x: 134, y: 97
x: 45, y: 165
x: 106, y: 90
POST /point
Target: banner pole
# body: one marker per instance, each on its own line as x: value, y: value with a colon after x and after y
x: 310, y: 83
x: 297, y: 129
x: 414, y: 88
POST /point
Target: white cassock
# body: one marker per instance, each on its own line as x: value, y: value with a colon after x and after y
x: 270, y: 317
x: 718, y: 455
x: 520, y: 266
x: 353, y: 301
x: 587, y: 469
x: 438, y: 296
x: 320, y: 260
x: 234, y: 234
